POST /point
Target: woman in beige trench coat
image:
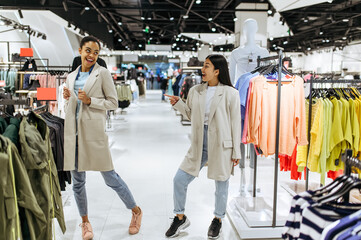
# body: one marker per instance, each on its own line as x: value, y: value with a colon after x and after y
x: 89, y: 92
x: 213, y: 108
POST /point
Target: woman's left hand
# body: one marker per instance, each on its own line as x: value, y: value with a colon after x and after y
x: 83, y: 97
x: 235, y: 162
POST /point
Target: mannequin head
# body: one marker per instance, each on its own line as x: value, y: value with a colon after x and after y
x: 250, y: 28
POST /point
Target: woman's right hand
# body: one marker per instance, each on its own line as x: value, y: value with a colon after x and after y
x: 173, y: 99
x: 66, y: 93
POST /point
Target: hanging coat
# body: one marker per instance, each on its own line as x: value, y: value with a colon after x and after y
x: 38, y: 159
x: 93, y: 149
x: 14, y: 176
x: 224, y: 130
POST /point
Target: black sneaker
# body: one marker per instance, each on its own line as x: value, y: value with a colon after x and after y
x: 177, y: 226
x: 215, y: 229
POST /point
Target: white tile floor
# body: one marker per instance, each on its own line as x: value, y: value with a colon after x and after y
x: 147, y: 143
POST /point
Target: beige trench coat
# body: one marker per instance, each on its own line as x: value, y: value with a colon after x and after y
x: 93, y: 148
x: 224, y: 130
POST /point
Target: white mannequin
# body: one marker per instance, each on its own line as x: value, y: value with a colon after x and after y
x: 244, y: 59
x: 170, y: 72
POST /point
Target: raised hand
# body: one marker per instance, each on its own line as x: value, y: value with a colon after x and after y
x: 173, y: 99
x: 83, y: 97
x: 66, y: 93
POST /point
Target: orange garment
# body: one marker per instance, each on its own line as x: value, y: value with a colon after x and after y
x: 262, y: 116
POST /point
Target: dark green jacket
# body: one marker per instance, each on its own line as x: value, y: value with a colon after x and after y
x: 12, y: 168
x: 38, y: 159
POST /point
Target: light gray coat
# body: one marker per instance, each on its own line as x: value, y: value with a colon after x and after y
x: 93, y: 148
x: 224, y: 130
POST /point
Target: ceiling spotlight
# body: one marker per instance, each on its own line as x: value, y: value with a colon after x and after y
x: 274, y: 45
x: 344, y: 38
x: 221, y: 49
x: 285, y: 42
x: 235, y: 19
x: 198, y: 2
x: 179, y: 35
x: 109, y: 29
x: 308, y: 48
x: 193, y: 49
x: 345, y: 20
x: 178, y: 48
x: 269, y: 12
x: 185, y: 16
x: 210, y: 19
x: 120, y: 23
x: 171, y: 18
x: 142, y: 18
x: 177, y: 39
x: 210, y: 48
x: 140, y: 45
x: 271, y: 38
x: 2, y: 23
x: 305, y: 19
x: 321, y: 33
x: 149, y: 18
x: 119, y: 40
x: 213, y: 29
x: 327, y: 40
x: 87, y: 8
x: 186, y: 40
x: 197, y: 43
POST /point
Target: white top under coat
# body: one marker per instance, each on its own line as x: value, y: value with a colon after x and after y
x: 210, y: 94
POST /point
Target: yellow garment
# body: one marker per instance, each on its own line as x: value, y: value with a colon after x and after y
x: 302, y: 151
x: 327, y: 117
x: 316, y: 138
x: 354, y: 126
x: 359, y: 119
x: 336, y: 136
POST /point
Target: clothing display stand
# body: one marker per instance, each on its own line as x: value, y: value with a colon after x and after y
x: 252, y: 216
x: 312, y: 81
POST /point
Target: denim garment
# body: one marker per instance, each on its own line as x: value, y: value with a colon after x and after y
x: 111, y: 178
x: 183, y: 179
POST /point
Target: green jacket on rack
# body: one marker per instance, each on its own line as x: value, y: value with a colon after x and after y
x: 16, y: 191
x: 39, y: 161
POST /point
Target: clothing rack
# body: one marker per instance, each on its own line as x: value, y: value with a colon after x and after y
x: 312, y: 81
x: 259, y: 60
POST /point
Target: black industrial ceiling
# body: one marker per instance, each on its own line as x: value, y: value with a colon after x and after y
x: 132, y: 24
x: 332, y: 24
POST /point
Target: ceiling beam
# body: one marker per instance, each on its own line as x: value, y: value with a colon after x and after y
x: 223, y: 8
x: 197, y: 14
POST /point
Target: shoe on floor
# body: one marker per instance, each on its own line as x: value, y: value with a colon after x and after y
x: 177, y: 226
x: 136, y: 222
x: 86, y: 230
x: 215, y: 229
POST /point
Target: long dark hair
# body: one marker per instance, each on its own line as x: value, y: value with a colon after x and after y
x: 220, y: 63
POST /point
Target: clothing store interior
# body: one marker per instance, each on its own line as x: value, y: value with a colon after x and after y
x: 295, y: 66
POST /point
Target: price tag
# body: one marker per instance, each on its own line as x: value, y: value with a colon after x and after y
x: 2, y: 83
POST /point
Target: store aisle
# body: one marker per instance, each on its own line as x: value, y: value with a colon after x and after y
x: 148, y: 144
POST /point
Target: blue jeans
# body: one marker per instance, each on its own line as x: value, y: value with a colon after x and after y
x: 163, y: 92
x: 111, y: 178
x: 183, y: 179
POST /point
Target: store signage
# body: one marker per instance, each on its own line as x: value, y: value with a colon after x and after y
x: 26, y: 52
x: 154, y: 47
x: 46, y: 94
